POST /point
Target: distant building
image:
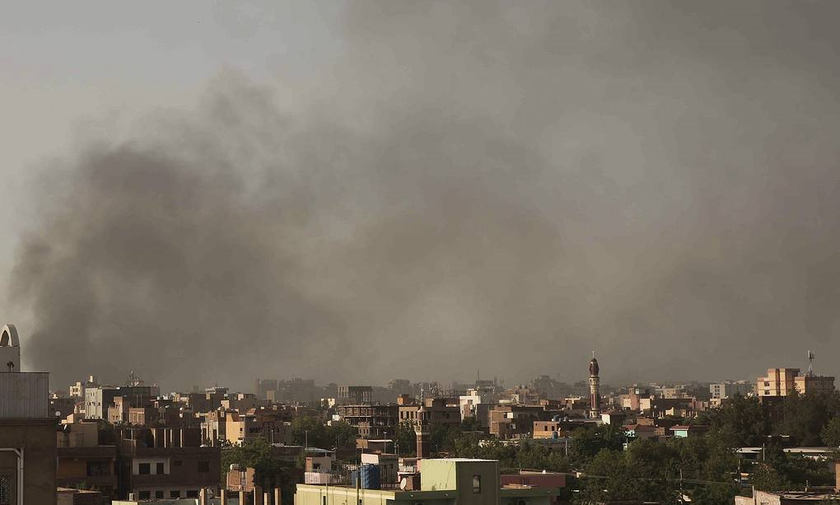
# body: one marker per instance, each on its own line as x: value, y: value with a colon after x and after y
x: 99, y: 399
x: 77, y: 389
x: 439, y: 412
x: 689, y: 430
x: 515, y: 421
x: 27, y: 431
x: 477, y: 404
x: 727, y: 389
x: 372, y: 421
x: 549, y: 429
x: 355, y: 395
x: 265, y: 389
x: 400, y: 387
x: 783, y: 381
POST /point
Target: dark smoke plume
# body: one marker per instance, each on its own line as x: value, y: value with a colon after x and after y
x: 475, y: 184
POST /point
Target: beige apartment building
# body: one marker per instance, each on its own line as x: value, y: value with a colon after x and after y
x: 783, y: 381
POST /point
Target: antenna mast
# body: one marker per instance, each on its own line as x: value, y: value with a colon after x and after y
x: 810, y: 355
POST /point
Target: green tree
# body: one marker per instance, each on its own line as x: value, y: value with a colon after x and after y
x: 830, y: 433
x: 405, y: 439
x: 255, y: 453
x: 740, y: 422
x: 588, y: 442
x: 805, y: 416
x: 621, y: 476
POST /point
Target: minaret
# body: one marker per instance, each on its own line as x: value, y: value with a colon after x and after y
x: 594, y: 389
x: 421, y: 429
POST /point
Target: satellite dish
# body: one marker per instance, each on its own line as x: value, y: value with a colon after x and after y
x: 403, y: 483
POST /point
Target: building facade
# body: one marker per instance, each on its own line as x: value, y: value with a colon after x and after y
x: 784, y: 381
x: 27, y: 431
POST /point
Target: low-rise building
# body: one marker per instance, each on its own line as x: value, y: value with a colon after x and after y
x: 167, y: 463
x: 442, y: 482
x: 549, y: 429
x: 86, y: 457
x: 513, y: 421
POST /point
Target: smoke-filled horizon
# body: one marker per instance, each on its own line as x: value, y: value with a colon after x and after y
x: 470, y: 185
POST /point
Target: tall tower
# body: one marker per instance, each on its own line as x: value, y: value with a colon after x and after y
x: 594, y: 388
x: 421, y: 429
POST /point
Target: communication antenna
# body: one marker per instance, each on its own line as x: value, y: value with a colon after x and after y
x: 810, y: 356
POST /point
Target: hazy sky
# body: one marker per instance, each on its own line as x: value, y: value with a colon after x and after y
x: 355, y: 192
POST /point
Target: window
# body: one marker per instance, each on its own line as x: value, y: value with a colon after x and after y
x: 175, y: 494
x: 476, y: 483
x: 192, y: 493
x: 159, y: 468
x: 145, y: 495
x: 95, y: 468
x: 203, y: 466
x: 177, y: 462
x: 5, y: 490
x: 158, y: 495
x: 144, y: 468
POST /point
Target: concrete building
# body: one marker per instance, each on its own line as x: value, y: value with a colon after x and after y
x: 372, y: 421
x: 399, y: 387
x: 27, y: 432
x: 355, y: 395
x: 265, y: 389
x: 166, y: 463
x: 786, y: 498
x: 84, y: 456
x: 727, y: 389
x: 549, y: 480
x: 783, y: 381
x: 99, y: 399
x: 77, y: 389
x: 241, y: 427
x: 440, y: 412
x: 477, y: 404
x: 442, y: 482
x: 549, y: 429
x: 515, y: 421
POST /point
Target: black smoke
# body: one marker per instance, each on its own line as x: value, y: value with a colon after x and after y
x: 475, y: 185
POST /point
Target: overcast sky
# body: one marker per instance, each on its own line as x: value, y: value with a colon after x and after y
x: 214, y: 192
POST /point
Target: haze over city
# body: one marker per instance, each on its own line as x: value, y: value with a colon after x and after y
x: 366, y: 190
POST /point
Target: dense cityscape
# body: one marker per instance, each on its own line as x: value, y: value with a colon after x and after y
x: 420, y: 252
x: 544, y: 442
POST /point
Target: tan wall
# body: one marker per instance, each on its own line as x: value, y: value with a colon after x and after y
x: 38, y: 438
x: 72, y: 468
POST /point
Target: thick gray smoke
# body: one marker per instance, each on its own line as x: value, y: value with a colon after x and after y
x: 502, y: 186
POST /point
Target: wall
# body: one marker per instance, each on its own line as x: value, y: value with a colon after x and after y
x: 24, y: 395
x: 38, y: 437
